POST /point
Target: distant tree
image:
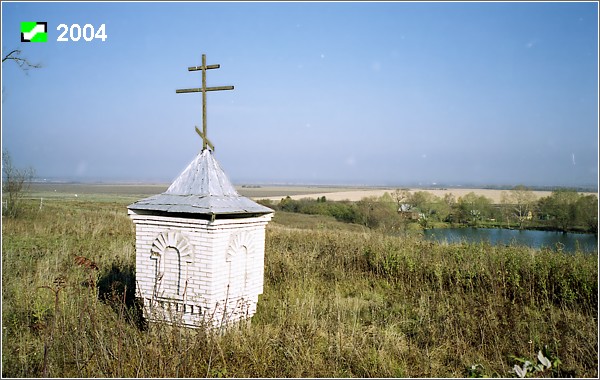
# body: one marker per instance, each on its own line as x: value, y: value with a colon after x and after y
x: 365, y: 208
x: 450, y: 206
x: 561, y: 208
x: 587, y: 212
x: 473, y: 208
x: 288, y: 204
x: 15, y: 183
x: 389, y: 201
x: 424, y: 201
x: 519, y: 203
x: 381, y: 213
x: 343, y: 211
x: 400, y: 196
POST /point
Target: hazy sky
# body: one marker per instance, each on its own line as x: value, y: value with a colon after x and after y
x: 325, y: 93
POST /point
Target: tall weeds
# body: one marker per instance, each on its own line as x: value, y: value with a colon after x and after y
x: 335, y: 304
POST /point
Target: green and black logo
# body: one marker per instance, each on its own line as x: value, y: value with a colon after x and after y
x: 34, y: 31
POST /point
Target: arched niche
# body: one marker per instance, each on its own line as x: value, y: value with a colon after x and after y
x: 172, y: 254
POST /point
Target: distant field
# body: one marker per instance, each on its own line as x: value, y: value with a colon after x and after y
x: 356, y: 195
x: 275, y: 193
x: 95, y: 192
x: 62, y: 189
x: 132, y: 192
x: 135, y: 191
x: 278, y: 192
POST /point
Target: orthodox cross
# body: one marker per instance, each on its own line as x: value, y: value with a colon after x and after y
x: 205, y: 141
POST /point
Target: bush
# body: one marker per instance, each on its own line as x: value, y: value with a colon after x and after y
x: 377, y: 213
x: 15, y: 183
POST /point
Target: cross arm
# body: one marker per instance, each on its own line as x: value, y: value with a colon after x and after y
x: 221, y: 88
x: 208, y: 67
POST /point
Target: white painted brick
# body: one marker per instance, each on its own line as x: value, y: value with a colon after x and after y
x: 209, y: 272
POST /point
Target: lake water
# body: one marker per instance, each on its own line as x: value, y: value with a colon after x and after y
x: 535, y: 239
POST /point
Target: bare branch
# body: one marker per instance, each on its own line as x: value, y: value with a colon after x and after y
x: 23, y: 63
x: 8, y: 56
x: 15, y: 183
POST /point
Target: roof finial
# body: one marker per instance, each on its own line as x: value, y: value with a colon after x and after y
x: 203, y: 90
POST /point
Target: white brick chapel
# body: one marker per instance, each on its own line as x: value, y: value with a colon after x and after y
x: 199, y: 249
x: 200, y: 245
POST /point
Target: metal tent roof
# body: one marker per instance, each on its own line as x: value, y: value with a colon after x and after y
x: 202, y: 188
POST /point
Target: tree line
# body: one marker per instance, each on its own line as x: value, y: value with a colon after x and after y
x: 563, y: 210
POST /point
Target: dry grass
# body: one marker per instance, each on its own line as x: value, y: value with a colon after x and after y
x: 337, y: 303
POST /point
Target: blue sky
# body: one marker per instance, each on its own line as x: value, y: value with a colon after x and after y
x: 325, y: 93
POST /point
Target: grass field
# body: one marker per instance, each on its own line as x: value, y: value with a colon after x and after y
x: 339, y: 300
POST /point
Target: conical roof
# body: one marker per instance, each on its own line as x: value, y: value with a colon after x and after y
x: 202, y: 188
x: 203, y: 176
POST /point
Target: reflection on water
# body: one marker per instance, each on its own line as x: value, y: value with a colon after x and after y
x: 568, y: 242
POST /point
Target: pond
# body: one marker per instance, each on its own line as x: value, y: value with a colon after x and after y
x: 568, y: 242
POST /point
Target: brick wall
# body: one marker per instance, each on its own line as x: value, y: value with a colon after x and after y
x: 198, y: 272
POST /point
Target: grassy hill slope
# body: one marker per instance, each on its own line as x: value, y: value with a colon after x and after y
x: 339, y: 301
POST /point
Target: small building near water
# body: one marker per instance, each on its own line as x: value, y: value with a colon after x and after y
x: 199, y: 249
x: 408, y: 212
